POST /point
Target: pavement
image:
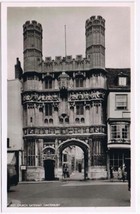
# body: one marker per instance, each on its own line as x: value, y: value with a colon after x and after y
x: 74, y: 176
x: 68, y: 193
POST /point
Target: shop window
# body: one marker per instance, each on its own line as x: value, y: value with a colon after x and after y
x: 121, y: 101
x: 116, y: 160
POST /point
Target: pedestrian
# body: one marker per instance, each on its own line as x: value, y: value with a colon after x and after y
x: 65, y: 171
x: 119, y: 173
x: 123, y: 172
x: 111, y: 172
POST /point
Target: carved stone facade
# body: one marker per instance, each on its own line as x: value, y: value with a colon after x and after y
x: 64, y: 104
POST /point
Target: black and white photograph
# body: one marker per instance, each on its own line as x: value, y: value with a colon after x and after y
x: 69, y: 78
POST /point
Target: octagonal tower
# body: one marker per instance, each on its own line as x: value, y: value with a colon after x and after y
x: 32, y: 44
x: 95, y: 41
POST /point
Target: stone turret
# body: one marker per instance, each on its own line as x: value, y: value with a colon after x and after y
x: 32, y: 35
x: 95, y: 41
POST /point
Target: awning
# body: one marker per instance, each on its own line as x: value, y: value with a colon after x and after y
x: 11, y: 158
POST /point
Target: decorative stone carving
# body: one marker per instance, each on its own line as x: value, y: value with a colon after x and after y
x: 40, y: 97
x: 65, y: 130
x: 80, y: 96
x: 31, y: 105
x: 55, y: 97
x: 55, y: 104
x: 87, y: 96
x: 72, y: 104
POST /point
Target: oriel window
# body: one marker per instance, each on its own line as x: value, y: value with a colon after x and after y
x: 120, y: 131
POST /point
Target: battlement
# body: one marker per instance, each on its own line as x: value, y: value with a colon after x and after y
x: 67, y: 59
x: 66, y: 63
x: 95, y: 20
x: 33, y: 25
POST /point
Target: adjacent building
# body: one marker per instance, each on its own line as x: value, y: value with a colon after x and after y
x: 118, y: 117
x: 15, y: 124
x: 70, y: 102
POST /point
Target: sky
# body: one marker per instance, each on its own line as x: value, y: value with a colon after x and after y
x: 53, y: 20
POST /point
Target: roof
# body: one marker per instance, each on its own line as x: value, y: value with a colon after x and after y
x: 114, y: 73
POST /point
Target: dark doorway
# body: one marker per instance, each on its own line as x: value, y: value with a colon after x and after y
x: 79, y: 167
x: 49, y: 169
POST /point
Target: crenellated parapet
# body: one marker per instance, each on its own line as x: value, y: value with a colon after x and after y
x: 95, y: 49
x: 95, y: 21
x: 32, y: 25
x: 66, y: 63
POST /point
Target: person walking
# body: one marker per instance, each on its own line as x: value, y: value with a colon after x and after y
x: 111, y: 173
x: 119, y: 173
x: 123, y: 172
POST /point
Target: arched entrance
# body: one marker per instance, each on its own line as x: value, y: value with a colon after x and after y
x: 74, y: 142
x: 49, y: 162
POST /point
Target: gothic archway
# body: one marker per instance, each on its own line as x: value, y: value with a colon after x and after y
x: 75, y: 142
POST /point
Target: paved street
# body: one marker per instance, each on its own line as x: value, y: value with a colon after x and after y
x: 70, y: 194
